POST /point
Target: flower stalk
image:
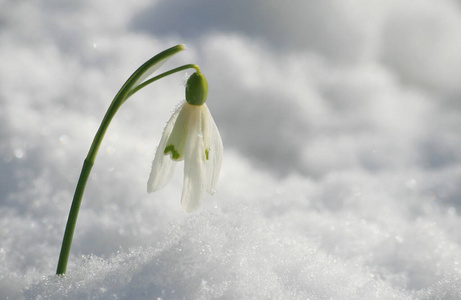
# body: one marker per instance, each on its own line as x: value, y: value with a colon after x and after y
x: 131, y: 86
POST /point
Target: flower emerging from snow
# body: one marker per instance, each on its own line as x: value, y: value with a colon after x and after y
x: 190, y: 135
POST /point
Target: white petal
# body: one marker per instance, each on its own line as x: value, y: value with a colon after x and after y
x: 205, y: 127
x: 162, y: 166
x: 194, y: 164
x: 176, y: 143
x: 215, y: 154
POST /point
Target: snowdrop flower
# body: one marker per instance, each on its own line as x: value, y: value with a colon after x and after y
x: 190, y: 135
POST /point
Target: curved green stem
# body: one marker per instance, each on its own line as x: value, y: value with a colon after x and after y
x: 130, y: 87
x: 178, y: 69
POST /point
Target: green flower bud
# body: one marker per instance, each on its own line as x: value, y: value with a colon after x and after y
x: 196, y: 89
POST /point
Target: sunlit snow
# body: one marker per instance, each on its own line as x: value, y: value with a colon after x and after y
x: 341, y: 174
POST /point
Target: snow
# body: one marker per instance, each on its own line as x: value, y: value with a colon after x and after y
x: 341, y: 173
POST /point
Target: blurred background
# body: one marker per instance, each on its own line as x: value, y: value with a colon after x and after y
x: 340, y: 122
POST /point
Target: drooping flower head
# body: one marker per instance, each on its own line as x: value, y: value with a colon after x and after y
x: 190, y: 135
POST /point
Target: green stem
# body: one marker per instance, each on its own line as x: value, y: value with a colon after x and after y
x: 127, y: 90
x: 147, y: 82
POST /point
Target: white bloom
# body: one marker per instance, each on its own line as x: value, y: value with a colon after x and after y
x: 190, y: 135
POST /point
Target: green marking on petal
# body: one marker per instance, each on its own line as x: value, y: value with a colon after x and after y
x: 206, y: 153
x: 174, y: 153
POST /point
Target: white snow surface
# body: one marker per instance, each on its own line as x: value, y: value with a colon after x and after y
x: 341, y: 124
